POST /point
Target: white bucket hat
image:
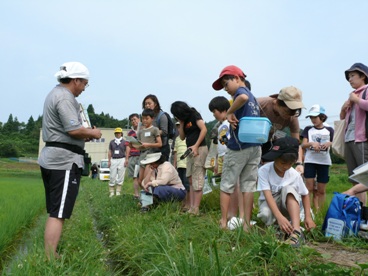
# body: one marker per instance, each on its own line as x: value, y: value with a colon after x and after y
x: 73, y: 70
x: 151, y: 157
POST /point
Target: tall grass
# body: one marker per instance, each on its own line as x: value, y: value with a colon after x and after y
x: 82, y: 251
x: 109, y: 236
x: 21, y: 200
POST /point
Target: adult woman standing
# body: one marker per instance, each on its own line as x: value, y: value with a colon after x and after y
x: 354, y: 112
x: 193, y: 129
x: 161, y: 121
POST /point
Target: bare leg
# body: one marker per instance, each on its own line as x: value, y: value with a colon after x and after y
x: 234, y: 203
x: 186, y: 202
x: 197, y: 197
x: 224, y: 202
x: 321, y: 192
x: 53, y: 229
x: 141, y: 176
x: 293, y: 208
x: 240, y: 202
x: 362, y: 197
x: 248, y: 207
x: 309, y: 183
x: 136, y: 187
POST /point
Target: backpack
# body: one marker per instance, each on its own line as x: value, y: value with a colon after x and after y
x: 170, y: 125
x: 343, y: 216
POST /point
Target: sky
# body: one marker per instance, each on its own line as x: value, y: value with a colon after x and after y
x: 177, y: 49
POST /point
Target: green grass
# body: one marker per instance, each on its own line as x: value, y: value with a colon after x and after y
x: 109, y: 236
x: 21, y: 200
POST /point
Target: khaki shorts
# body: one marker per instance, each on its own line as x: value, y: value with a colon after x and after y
x: 265, y: 213
x: 195, y: 168
x: 242, y: 165
x: 220, y: 163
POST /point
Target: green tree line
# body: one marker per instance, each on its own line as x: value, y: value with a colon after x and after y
x: 19, y: 139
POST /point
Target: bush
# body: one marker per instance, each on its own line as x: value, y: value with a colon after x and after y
x: 8, y: 149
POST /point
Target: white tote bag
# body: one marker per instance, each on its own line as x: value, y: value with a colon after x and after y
x: 338, y: 143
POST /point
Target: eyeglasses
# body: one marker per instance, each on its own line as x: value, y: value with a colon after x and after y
x: 85, y: 82
x: 292, y: 112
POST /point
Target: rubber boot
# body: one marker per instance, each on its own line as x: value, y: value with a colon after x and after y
x: 118, y: 190
x: 112, y: 190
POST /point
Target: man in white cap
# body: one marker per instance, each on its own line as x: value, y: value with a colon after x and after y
x: 62, y: 159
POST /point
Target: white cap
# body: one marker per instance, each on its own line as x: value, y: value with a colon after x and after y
x: 73, y: 70
x: 316, y: 110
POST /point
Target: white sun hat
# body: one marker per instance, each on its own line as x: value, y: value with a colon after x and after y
x: 73, y: 70
x: 151, y: 157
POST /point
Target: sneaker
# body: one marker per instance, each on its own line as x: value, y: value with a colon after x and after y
x: 144, y: 209
x: 117, y: 193
x: 111, y: 194
x: 364, y: 225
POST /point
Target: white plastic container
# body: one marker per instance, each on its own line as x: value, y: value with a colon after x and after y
x: 254, y: 130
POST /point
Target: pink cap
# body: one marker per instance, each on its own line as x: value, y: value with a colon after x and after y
x: 228, y: 70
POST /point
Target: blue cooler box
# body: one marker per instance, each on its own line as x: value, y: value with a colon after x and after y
x: 254, y: 130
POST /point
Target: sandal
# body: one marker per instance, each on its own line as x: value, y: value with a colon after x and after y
x: 295, y: 239
x: 185, y: 209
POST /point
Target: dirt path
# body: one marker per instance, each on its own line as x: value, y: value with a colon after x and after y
x: 341, y: 255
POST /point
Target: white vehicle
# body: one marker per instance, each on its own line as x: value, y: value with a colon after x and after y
x: 104, y: 170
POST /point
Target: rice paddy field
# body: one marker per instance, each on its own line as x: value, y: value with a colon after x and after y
x: 110, y: 236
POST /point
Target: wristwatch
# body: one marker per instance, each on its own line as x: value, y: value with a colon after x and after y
x: 299, y: 164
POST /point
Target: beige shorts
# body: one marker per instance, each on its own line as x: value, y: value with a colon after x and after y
x: 265, y: 213
x: 195, y: 168
x: 242, y: 165
x: 220, y: 163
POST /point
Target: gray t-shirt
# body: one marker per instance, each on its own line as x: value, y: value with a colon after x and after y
x: 60, y: 115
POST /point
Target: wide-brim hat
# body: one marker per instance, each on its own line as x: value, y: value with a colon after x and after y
x: 357, y: 67
x: 280, y: 146
x: 151, y: 158
x: 316, y: 110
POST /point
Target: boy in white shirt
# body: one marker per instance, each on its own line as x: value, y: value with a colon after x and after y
x: 281, y: 187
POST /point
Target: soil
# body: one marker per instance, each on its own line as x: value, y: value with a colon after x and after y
x: 341, y: 255
x: 20, y: 166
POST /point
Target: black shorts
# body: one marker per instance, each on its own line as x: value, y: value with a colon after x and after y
x: 322, y: 172
x: 61, y: 190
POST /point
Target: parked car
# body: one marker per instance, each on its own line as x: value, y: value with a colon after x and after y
x: 104, y: 170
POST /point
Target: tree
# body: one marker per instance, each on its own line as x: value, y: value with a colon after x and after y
x: 90, y: 110
x: 11, y: 125
x: 30, y: 126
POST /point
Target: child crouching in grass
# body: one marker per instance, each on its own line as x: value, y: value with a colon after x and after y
x: 281, y: 187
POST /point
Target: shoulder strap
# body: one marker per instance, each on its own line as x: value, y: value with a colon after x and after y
x: 158, y: 118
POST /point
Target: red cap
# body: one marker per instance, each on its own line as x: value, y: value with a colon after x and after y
x: 228, y: 70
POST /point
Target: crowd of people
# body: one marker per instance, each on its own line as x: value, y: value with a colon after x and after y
x: 290, y: 170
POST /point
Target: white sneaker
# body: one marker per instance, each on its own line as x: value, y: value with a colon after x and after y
x: 117, y: 193
x: 111, y: 194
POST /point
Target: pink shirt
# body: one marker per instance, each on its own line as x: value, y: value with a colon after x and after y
x: 360, y: 115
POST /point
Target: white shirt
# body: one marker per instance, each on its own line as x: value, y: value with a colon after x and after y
x: 269, y: 180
